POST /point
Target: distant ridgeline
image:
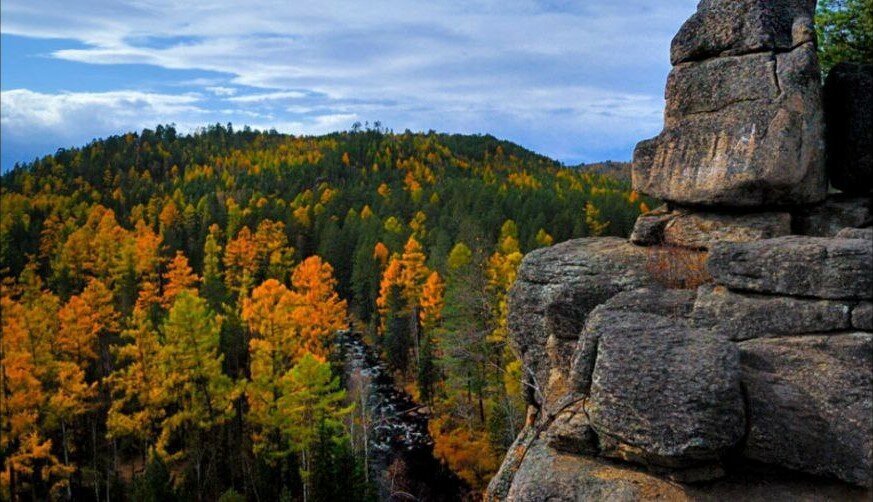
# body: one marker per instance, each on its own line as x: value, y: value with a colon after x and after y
x: 621, y: 171
x: 170, y: 302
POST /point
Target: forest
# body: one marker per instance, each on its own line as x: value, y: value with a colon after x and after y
x: 170, y: 304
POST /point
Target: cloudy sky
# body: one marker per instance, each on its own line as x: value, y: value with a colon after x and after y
x: 578, y: 80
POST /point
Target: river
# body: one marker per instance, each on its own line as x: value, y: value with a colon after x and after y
x: 392, y: 429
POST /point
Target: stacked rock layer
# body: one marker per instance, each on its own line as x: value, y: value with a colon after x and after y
x: 726, y: 349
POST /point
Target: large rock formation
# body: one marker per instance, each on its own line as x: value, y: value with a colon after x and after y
x: 754, y: 381
x: 810, y: 404
x: 697, y: 377
x: 744, y: 124
x: 552, y: 297
x: 694, y: 385
x: 796, y: 265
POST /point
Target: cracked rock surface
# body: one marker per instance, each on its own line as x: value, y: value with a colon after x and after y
x: 744, y: 124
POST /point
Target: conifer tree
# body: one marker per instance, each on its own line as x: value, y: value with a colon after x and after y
x: 192, y: 378
x: 179, y: 278
x: 311, y: 405
x: 137, y: 387
x: 212, y: 287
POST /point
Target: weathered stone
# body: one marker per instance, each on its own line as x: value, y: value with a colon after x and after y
x: 702, y: 230
x: 862, y: 316
x: 809, y: 403
x: 796, y: 265
x: 743, y: 125
x: 725, y: 27
x: 546, y: 474
x: 663, y: 393
x: 669, y: 303
x: 848, y: 101
x: 745, y: 316
x: 649, y: 227
x: 711, y: 85
x: 699, y: 230
x: 836, y: 213
x: 856, y: 233
x: 571, y: 432
x: 500, y: 484
x: 556, y: 289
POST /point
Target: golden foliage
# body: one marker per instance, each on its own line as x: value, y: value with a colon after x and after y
x: 677, y: 267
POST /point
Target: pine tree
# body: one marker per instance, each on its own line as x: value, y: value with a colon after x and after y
x: 212, y: 287
x: 311, y: 404
x: 190, y: 365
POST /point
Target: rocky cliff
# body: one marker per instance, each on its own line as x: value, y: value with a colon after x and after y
x: 726, y: 349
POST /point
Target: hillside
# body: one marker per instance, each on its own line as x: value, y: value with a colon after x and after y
x: 171, y: 301
x: 621, y: 171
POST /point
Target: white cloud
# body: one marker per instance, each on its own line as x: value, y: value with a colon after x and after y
x: 221, y: 90
x: 268, y: 96
x: 552, y: 73
x: 35, y: 123
x: 27, y: 112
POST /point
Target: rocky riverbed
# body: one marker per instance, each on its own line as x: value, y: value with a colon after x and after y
x: 393, y: 430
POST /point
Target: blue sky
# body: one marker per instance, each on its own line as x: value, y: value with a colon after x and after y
x: 580, y: 81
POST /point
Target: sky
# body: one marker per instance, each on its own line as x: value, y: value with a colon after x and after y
x: 577, y: 80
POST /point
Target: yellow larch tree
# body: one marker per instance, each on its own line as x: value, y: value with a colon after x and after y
x: 319, y: 311
x: 413, y: 270
x: 501, y: 272
x: 432, y: 301
x: 192, y: 378
x: 179, y: 277
x: 596, y: 226
x: 240, y: 262
x: 138, y: 397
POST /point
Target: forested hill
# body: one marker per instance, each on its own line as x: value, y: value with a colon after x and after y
x: 322, y: 189
x: 167, y: 298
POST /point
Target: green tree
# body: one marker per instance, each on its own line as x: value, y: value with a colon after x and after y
x: 845, y: 32
x: 191, y: 367
x: 311, y: 404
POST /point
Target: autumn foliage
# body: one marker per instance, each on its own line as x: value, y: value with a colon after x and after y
x: 169, y: 304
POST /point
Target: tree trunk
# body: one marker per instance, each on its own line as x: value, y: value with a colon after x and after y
x: 416, y: 337
x: 12, y: 488
x: 66, y: 456
x: 94, y: 458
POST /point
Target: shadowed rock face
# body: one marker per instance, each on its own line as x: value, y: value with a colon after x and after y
x: 834, y: 214
x: 744, y: 125
x: 810, y: 406
x: 848, y: 96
